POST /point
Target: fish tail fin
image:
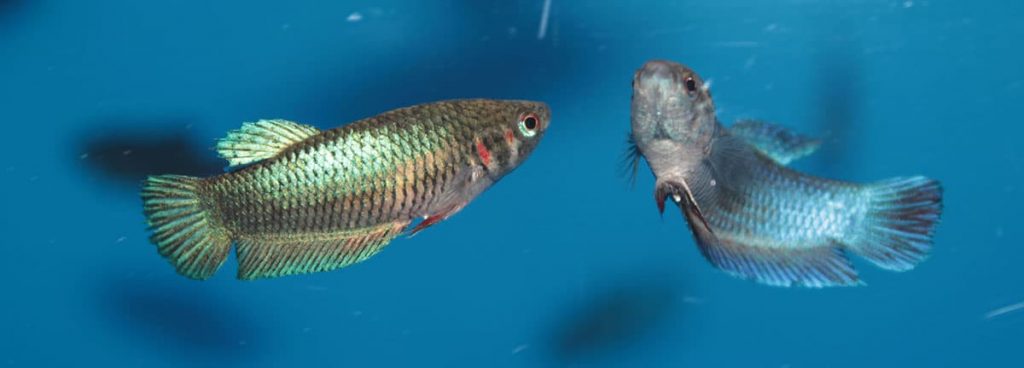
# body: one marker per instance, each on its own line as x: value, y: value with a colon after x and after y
x: 184, y: 230
x: 896, y: 231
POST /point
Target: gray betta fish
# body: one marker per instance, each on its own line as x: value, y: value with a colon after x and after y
x: 302, y: 200
x: 752, y: 216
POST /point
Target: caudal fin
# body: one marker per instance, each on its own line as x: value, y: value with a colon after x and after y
x: 183, y: 229
x: 896, y: 232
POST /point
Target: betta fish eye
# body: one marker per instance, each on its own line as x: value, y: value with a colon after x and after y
x: 691, y: 86
x: 528, y: 124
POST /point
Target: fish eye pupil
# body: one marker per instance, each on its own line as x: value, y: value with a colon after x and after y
x: 530, y: 122
x: 691, y: 85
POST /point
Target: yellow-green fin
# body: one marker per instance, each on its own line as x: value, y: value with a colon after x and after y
x: 281, y: 255
x: 184, y: 230
x: 262, y: 140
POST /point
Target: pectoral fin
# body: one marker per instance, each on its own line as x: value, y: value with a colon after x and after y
x: 778, y: 143
x: 431, y: 220
x: 682, y: 195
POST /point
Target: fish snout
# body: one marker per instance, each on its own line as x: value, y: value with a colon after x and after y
x: 657, y: 69
x: 661, y: 76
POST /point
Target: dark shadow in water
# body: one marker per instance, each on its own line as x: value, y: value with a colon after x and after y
x: 614, y: 319
x: 839, y: 90
x: 178, y: 319
x: 483, y: 54
x: 10, y: 6
x: 9, y: 10
x: 129, y: 150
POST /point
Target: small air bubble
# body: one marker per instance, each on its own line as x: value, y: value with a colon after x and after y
x: 120, y: 240
x: 520, y: 349
x: 713, y: 182
x: 354, y: 17
x: 692, y: 300
x: 908, y: 4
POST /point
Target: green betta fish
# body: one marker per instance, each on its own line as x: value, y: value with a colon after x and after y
x: 752, y: 216
x: 301, y: 200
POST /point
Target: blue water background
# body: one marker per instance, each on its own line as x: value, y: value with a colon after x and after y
x: 561, y: 263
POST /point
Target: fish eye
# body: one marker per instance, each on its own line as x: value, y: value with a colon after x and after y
x: 528, y: 124
x: 691, y: 85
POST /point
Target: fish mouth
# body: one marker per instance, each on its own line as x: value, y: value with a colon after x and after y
x: 660, y: 77
x: 670, y: 102
x: 660, y: 101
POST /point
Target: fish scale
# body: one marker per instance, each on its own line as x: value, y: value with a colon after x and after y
x: 301, y: 200
x: 757, y: 219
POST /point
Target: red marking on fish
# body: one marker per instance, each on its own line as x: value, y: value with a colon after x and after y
x: 510, y: 137
x: 485, y: 155
x: 429, y: 221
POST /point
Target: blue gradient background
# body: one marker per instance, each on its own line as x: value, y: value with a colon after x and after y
x: 561, y: 264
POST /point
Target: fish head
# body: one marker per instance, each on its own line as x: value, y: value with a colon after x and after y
x: 503, y: 133
x: 512, y: 131
x: 673, y: 115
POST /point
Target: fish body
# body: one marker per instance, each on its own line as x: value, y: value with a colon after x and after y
x: 756, y: 218
x: 300, y: 200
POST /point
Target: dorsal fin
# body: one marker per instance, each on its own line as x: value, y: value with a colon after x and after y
x: 778, y: 143
x: 261, y: 140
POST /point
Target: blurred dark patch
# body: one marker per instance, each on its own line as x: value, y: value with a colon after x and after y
x: 129, y: 150
x: 839, y: 91
x: 10, y: 6
x: 9, y: 9
x: 615, y: 319
x: 178, y: 319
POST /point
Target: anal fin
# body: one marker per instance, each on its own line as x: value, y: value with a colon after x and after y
x: 813, y: 266
x: 282, y: 255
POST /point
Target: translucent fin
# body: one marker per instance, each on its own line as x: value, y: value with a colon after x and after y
x: 183, y: 230
x: 261, y: 140
x: 816, y: 267
x: 276, y: 256
x: 896, y: 233
x: 631, y: 160
x: 778, y: 143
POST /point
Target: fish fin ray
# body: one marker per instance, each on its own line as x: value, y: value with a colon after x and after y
x: 469, y: 183
x: 683, y: 196
x: 813, y: 267
x: 631, y: 160
x: 261, y: 140
x: 276, y: 256
x: 185, y: 233
x: 897, y: 230
x: 819, y: 266
x: 436, y: 218
x: 778, y: 143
